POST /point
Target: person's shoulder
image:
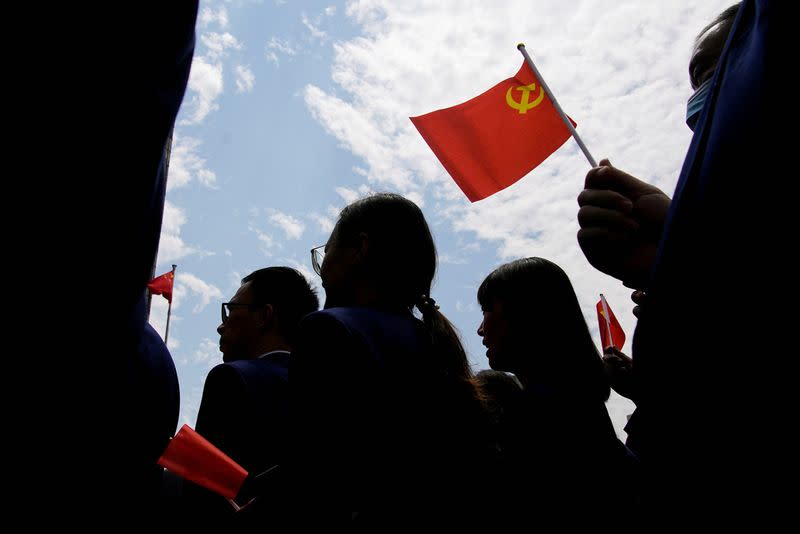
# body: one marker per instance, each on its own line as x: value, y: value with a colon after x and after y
x: 228, y: 372
x: 248, y: 368
x: 331, y: 318
x: 361, y: 316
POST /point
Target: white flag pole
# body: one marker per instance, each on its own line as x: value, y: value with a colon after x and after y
x: 607, y: 318
x: 169, y: 308
x: 592, y: 162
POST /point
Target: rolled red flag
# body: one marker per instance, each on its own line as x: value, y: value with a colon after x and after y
x: 191, y: 456
x: 611, y: 333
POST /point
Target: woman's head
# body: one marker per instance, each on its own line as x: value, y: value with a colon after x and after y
x: 533, y: 325
x: 382, y: 241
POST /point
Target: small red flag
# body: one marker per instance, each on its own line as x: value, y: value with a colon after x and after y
x: 493, y: 140
x: 611, y: 333
x: 191, y: 456
x: 162, y: 285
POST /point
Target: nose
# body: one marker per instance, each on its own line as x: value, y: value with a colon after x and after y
x: 480, y: 329
x: 220, y: 328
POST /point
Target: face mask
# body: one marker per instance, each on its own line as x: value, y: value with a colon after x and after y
x: 695, y: 104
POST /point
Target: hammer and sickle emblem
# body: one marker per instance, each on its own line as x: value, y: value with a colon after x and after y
x: 523, y: 105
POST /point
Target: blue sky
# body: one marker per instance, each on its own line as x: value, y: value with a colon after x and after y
x: 294, y: 109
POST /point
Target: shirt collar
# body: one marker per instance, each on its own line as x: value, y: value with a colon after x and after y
x: 270, y: 353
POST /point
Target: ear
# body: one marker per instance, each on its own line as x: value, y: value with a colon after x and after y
x: 266, y: 316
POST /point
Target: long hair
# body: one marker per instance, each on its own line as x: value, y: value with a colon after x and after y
x: 540, y: 303
x: 401, y: 261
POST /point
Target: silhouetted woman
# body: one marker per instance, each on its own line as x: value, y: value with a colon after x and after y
x: 387, y: 417
x: 563, y: 454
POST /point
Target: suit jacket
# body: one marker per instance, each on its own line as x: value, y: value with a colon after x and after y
x: 245, y: 410
x: 245, y: 413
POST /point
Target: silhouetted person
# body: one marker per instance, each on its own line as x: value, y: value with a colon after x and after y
x: 387, y: 418
x: 95, y: 145
x: 562, y: 451
x: 245, y: 406
x: 703, y: 260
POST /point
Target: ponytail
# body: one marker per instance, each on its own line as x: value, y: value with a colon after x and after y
x: 448, y: 352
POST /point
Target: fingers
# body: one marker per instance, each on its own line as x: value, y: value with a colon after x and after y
x: 604, y: 198
x: 607, y: 219
x: 605, y: 176
x: 608, y: 177
x: 639, y: 297
x: 616, y: 358
x: 613, y: 360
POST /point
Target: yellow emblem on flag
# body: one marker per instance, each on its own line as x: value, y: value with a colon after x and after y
x: 523, y: 105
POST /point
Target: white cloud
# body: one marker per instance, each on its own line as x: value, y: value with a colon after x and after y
x: 333, y: 212
x: 330, y: 11
x: 218, y: 45
x: 452, y: 259
x: 292, y: 227
x: 360, y: 132
x: 171, y: 246
x: 208, y: 16
x: 313, y: 27
x: 205, y: 81
x: 469, y: 307
x: 266, y: 241
x: 206, y: 354
x: 349, y: 195
x: 185, y: 163
x: 277, y: 46
x: 206, y: 77
x: 245, y: 79
x: 281, y: 45
x: 199, y: 288
x: 325, y: 224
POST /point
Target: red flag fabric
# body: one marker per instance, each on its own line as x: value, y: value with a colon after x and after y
x: 609, y: 326
x: 493, y: 140
x: 191, y: 456
x: 162, y: 285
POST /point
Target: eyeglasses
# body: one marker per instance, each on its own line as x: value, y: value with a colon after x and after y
x: 226, y: 308
x: 317, y: 257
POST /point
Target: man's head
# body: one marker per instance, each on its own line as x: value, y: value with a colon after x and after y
x: 264, y: 313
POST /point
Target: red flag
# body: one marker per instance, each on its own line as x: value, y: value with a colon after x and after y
x: 162, y: 285
x: 191, y: 456
x: 493, y: 140
x: 610, y: 330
